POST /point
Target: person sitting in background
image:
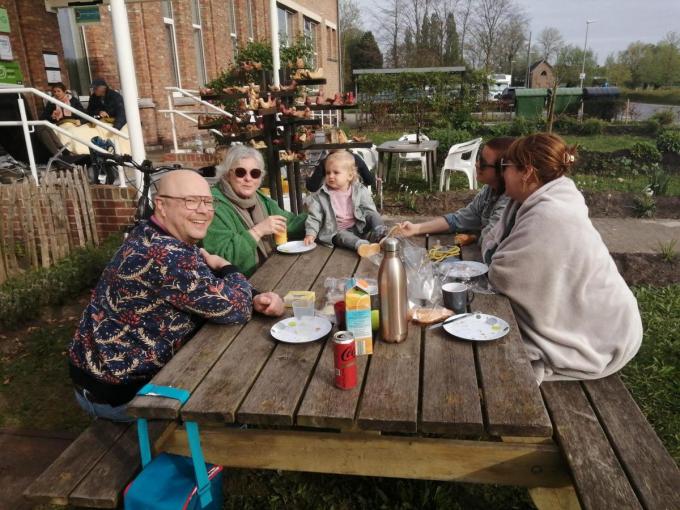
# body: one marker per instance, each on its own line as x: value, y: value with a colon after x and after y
x: 486, y: 208
x: 245, y: 219
x: 59, y: 115
x: 316, y: 180
x: 107, y: 104
x: 342, y: 212
x: 154, y: 294
x: 578, y: 318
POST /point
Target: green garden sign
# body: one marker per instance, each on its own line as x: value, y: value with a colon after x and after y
x: 86, y: 14
x: 10, y: 73
x: 4, y: 21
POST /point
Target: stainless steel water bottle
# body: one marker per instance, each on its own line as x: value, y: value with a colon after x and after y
x: 393, y: 298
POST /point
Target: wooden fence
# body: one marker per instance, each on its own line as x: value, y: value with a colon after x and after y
x: 41, y: 224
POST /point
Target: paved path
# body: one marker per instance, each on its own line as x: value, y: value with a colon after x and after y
x: 625, y: 235
x: 24, y: 455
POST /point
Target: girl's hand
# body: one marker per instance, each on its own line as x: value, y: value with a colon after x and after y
x: 309, y: 240
x: 408, y: 229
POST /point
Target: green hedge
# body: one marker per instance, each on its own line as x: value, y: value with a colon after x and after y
x: 22, y: 297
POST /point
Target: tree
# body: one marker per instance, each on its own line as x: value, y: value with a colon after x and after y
x: 569, y: 62
x: 451, y: 52
x: 366, y: 53
x: 489, y: 18
x: 550, y: 42
x: 391, y: 29
x: 616, y: 72
x: 349, y: 25
x: 513, y: 43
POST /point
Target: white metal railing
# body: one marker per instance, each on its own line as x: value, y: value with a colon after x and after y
x: 28, y: 126
x: 190, y: 94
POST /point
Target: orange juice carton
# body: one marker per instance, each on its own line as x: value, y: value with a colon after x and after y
x: 358, y: 314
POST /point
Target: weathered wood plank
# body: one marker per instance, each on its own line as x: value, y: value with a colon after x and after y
x: 651, y: 470
x: 104, y: 484
x: 450, y: 397
x: 218, y: 397
x: 291, y: 366
x: 188, y: 367
x: 64, y: 474
x: 512, y: 400
x: 471, y: 252
x: 599, y: 478
x: 527, y: 465
x: 390, y: 398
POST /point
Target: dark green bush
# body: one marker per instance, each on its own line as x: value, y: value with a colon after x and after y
x: 591, y: 127
x: 658, y: 182
x: 22, y: 297
x: 447, y: 138
x: 522, y: 126
x: 645, y: 152
x: 669, y: 141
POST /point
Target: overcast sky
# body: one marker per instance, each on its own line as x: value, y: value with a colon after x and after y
x: 619, y: 22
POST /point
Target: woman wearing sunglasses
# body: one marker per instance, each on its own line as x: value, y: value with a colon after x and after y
x: 245, y: 219
x: 578, y: 318
x: 486, y: 208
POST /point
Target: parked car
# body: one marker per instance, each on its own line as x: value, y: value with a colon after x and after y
x: 506, y: 99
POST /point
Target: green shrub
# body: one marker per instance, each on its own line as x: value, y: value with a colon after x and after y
x: 645, y: 152
x: 644, y: 206
x: 658, y: 182
x: 591, y: 127
x: 664, y: 117
x: 652, y: 127
x: 669, y: 141
x: 522, y: 126
x: 447, y: 138
x: 22, y: 297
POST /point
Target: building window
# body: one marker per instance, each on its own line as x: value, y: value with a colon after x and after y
x: 310, y: 32
x: 232, y: 28
x: 331, y: 44
x: 201, y: 75
x: 286, y: 24
x: 251, y: 24
x: 75, y: 52
x: 171, y: 40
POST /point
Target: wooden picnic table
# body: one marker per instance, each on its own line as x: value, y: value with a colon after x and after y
x: 431, y: 407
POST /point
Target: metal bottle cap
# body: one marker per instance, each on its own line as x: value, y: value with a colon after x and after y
x: 390, y: 244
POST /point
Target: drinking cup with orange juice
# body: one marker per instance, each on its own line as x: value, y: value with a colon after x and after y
x: 281, y: 237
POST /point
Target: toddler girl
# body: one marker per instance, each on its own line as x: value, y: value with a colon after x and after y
x: 342, y: 212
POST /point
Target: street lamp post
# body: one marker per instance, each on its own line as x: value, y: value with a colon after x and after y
x: 583, y: 64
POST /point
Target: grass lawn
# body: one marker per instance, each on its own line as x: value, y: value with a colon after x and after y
x: 35, y: 393
x: 629, y: 183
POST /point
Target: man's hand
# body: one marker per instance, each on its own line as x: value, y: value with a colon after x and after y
x: 103, y: 114
x: 408, y: 229
x: 309, y: 240
x: 214, y: 262
x: 268, y: 303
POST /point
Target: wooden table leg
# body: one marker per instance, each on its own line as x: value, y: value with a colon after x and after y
x: 389, y: 167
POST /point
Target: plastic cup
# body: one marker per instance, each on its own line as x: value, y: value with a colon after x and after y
x: 303, y: 307
x: 281, y: 238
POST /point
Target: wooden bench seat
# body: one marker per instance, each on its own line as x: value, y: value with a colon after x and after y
x: 616, y: 459
x: 96, y: 467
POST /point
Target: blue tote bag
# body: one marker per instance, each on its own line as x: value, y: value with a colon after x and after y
x: 173, y: 482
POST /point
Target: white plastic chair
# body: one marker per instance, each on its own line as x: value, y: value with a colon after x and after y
x: 413, y: 156
x: 455, y: 163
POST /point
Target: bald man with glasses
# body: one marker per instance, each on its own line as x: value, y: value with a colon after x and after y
x: 155, y: 293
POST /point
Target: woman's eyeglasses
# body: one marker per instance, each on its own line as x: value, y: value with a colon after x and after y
x: 505, y: 163
x: 194, y: 202
x: 255, y: 173
x: 482, y: 163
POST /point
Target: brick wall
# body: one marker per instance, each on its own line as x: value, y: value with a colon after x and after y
x: 114, y: 208
x: 193, y: 160
x: 34, y: 31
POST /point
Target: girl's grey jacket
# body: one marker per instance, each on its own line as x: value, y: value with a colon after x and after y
x: 321, y: 221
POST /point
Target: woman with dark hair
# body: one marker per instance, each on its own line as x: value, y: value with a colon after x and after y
x: 59, y: 115
x: 487, y: 206
x: 578, y: 318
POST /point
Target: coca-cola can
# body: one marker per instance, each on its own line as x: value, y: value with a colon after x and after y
x: 345, y: 360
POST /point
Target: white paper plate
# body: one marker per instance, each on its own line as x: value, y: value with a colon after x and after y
x: 479, y: 327
x: 463, y: 269
x: 307, y: 329
x: 295, y: 247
